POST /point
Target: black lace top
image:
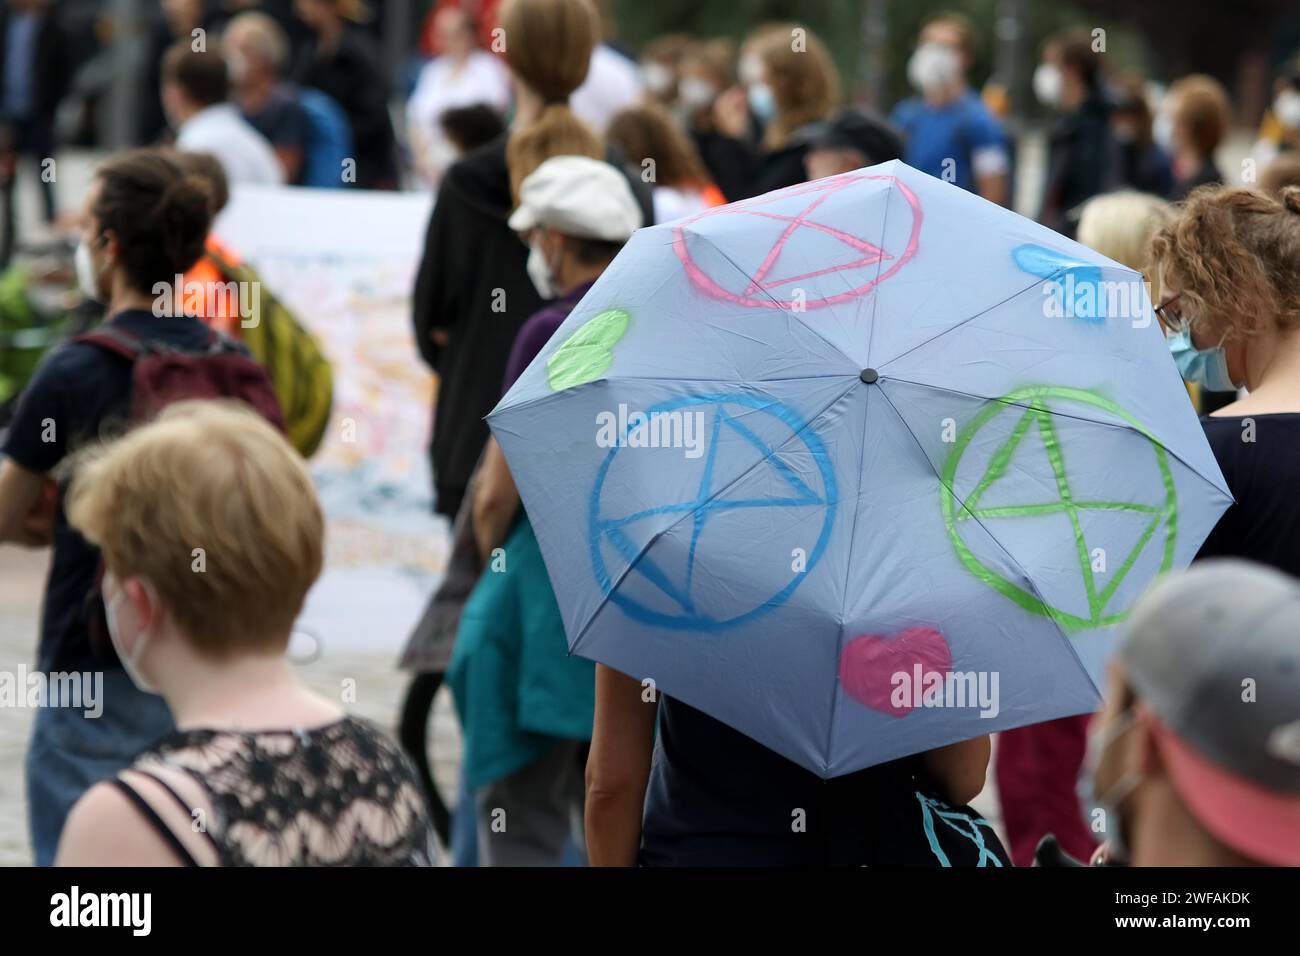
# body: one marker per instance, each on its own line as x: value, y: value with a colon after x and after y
x: 338, y: 795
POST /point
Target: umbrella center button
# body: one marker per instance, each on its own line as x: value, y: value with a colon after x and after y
x: 869, y: 376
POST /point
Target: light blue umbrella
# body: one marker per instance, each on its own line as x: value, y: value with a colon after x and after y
x: 860, y: 467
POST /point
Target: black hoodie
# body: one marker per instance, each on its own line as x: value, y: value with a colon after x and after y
x: 473, y: 282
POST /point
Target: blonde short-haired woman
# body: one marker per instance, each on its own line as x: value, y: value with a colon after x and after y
x: 211, y: 536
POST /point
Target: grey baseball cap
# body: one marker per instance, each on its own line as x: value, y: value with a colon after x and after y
x: 1214, y: 653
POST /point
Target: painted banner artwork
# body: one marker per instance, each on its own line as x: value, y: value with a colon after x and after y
x: 344, y: 263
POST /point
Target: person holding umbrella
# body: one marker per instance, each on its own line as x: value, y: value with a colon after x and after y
x: 524, y: 704
x: 714, y: 797
x: 906, y: 526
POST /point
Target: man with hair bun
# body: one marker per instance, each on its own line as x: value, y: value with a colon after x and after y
x: 145, y: 222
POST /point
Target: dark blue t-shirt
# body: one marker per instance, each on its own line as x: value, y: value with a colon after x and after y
x: 719, y: 798
x: 1259, y: 456
x: 80, y: 393
x: 283, y: 123
x: 960, y: 133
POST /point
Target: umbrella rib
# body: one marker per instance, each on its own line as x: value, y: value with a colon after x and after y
x: 953, y: 328
x: 848, y: 570
x: 777, y: 302
x: 1011, y: 557
x: 605, y: 599
x: 553, y: 396
x: 1124, y: 426
x: 875, y: 299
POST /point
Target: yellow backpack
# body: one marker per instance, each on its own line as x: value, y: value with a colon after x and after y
x: 299, y: 370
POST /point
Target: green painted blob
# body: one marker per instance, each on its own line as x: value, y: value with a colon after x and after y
x: 589, y: 352
x: 1034, y: 402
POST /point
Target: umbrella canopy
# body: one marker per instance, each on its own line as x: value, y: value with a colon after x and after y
x: 860, y: 467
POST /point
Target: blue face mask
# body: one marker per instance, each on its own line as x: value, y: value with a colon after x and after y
x: 1206, y: 367
x: 762, y: 101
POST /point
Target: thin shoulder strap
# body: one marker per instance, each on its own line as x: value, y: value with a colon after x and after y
x: 181, y: 802
x: 115, y: 340
x: 151, y: 815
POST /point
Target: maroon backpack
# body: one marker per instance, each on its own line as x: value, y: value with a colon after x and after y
x: 162, y: 374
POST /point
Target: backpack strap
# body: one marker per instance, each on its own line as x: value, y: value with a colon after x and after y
x: 218, y: 260
x: 131, y: 347
x: 117, y: 340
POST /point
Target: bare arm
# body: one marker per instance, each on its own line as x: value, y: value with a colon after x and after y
x: 993, y: 187
x: 290, y: 158
x: 21, y: 521
x: 618, y: 768
x: 496, y: 499
x: 106, y: 829
x: 959, y: 769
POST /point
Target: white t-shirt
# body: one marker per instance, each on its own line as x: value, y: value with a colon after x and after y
x: 443, y: 86
x: 673, y: 203
x: 242, y: 151
x: 613, y: 83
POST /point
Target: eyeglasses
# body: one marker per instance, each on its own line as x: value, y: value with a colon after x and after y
x: 1171, y: 317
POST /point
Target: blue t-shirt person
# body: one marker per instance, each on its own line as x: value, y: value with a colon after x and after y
x: 81, y: 393
x: 954, y: 142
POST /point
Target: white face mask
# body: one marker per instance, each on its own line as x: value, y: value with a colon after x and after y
x: 658, y: 78
x: 1162, y: 131
x: 933, y: 66
x: 1099, y: 740
x: 1286, y: 107
x: 87, y: 276
x: 695, y: 93
x: 751, y: 69
x: 540, y: 271
x: 130, y: 661
x: 1047, y: 84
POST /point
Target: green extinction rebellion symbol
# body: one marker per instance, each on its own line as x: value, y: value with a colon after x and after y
x: 1036, y: 408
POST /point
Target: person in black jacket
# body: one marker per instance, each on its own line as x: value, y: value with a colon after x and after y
x: 1080, y: 152
x: 341, y: 60
x: 35, y: 69
x: 1198, y: 107
x: 789, y: 84
x: 472, y: 291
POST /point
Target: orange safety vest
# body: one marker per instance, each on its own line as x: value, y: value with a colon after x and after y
x: 201, y: 275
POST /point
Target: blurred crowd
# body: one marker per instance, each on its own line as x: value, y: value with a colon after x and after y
x: 547, y: 147
x: 305, y: 82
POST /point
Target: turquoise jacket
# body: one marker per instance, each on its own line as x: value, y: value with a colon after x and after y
x: 516, y: 688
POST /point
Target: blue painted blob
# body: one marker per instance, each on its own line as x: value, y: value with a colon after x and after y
x: 1078, y: 287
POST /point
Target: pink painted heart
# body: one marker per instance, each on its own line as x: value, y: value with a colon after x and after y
x: 870, y: 661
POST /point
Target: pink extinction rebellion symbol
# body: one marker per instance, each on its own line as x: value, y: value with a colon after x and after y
x: 761, y: 289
